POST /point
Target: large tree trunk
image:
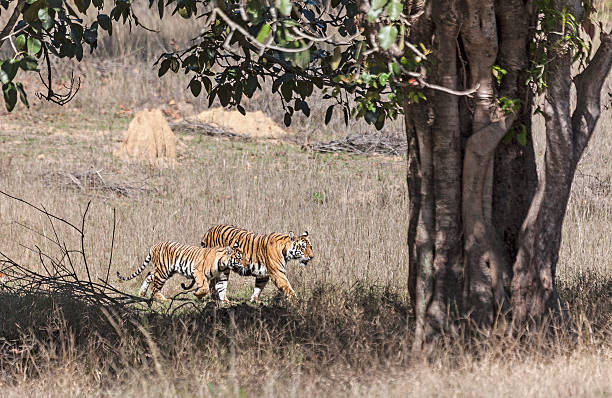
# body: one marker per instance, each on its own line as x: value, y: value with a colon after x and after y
x: 474, y: 208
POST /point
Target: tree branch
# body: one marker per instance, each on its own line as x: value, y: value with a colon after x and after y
x: 588, y: 91
x: 11, y: 22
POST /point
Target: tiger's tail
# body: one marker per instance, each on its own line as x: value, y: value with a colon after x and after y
x: 138, y: 271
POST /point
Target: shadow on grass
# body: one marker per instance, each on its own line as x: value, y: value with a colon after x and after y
x: 327, y: 326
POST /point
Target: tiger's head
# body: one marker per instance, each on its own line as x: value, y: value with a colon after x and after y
x: 300, y: 249
x: 233, y: 257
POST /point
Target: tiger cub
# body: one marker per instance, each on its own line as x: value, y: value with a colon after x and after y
x: 199, y: 264
x: 265, y: 256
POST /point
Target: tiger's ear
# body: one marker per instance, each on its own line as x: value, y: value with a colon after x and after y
x: 305, y: 233
x: 228, y: 250
x: 291, y: 236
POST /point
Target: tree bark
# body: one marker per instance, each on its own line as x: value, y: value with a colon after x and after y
x: 533, y: 284
x: 422, y: 266
x: 447, y: 267
x: 485, y: 263
x: 515, y: 177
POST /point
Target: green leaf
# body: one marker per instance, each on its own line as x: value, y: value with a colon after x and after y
x: 378, y: 4
x: 22, y: 95
x: 370, y: 117
x: 8, y: 70
x: 105, y: 22
x: 163, y: 68
x: 184, y: 12
x: 373, y: 14
x: 287, y: 90
x: 302, y: 59
x: 45, y: 19
x: 304, y: 87
x: 195, y: 86
x: 395, y: 68
x: 284, y: 6
x: 34, y: 46
x: 10, y: 96
x: 251, y: 86
x: 224, y: 95
x: 28, y: 63
x: 20, y: 43
x: 263, y: 33
x: 383, y: 78
x: 160, y: 8
x: 380, y: 122
x: 82, y: 5
x: 328, y: 114
x: 394, y: 9
x: 336, y: 58
x: 303, y: 106
x: 387, y: 36
x: 174, y: 65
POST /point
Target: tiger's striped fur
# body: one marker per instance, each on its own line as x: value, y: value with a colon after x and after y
x: 199, y: 264
x: 265, y: 257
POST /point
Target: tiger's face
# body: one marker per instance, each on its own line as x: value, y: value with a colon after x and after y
x: 301, y: 249
x: 234, y: 258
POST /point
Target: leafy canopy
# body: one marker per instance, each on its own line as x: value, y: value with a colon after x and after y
x: 357, y: 52
x: 296, y: 44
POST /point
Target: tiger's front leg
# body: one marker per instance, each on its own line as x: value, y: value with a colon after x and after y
x: 218, y: 286
x: 202, y: 285
x: 282, y: 283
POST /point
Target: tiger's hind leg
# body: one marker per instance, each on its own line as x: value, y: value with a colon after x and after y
x: 158, y: 283
x: 145, y: 285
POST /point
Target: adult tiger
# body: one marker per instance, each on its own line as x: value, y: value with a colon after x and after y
x: 199, y: 264
x: 265, y: 257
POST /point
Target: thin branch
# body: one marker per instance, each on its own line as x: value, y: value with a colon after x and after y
x: 41, y: 210
x: 11, y: 22
x: 60, y: 99
x: 234, y: 26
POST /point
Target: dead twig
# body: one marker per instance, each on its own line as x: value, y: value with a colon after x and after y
x: 363, y: 144
x: 92, y: 179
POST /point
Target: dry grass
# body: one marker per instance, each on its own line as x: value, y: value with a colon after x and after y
x: 347, y: 336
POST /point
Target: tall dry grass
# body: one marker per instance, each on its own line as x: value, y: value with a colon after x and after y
x: 348, y: 335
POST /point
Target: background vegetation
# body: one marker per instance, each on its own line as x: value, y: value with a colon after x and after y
x: 350, y: 333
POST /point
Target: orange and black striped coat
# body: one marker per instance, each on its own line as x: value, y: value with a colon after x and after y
x: 200, y: 264
x: 265, y: 256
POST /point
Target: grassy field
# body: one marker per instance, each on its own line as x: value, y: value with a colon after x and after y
x: 347, y: 336
x: 350, y: 332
